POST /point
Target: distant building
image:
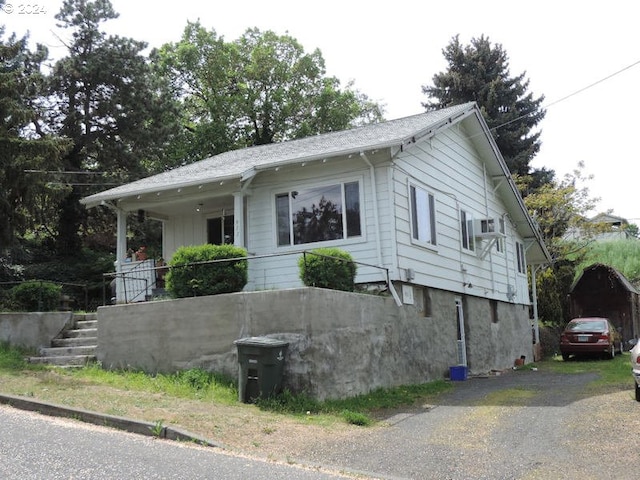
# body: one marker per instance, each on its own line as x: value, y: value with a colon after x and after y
x: 611, y: 228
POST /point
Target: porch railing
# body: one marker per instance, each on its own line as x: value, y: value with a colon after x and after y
x: 133, y: 288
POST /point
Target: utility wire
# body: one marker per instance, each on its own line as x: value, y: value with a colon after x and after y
x: 562, y: 99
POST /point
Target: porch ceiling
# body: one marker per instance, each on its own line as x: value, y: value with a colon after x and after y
x: 162, y: 204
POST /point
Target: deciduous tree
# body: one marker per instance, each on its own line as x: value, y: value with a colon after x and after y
x: 258, y: 89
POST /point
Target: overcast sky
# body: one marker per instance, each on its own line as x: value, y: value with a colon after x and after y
x: 391, y: 49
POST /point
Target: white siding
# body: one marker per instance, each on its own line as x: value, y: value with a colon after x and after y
x: 282, y: 271
x: 187, y: 229
x: 448, y: 166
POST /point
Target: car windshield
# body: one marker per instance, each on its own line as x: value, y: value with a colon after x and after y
x: 587, y: 326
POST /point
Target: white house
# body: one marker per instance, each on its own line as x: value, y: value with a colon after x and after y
x: 427, y: 198
x: 424, y: 203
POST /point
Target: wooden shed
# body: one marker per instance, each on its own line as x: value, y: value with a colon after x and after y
x: 602, y: 291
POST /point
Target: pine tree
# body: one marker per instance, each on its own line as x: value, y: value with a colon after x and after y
x: 24, y: 145
x: 107, y: 100
x: 479, y: 72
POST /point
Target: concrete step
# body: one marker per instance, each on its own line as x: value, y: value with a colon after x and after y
x: 81, y: 333
x: 82, y: 324
x: 64, y: 361
x: 74, y: 342
x: 65, y: 351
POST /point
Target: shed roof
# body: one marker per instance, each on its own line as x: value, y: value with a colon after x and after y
x: 626, y: 284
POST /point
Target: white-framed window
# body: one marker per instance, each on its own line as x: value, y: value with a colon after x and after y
x: 500, y: 240
x: 423, y: 215
x: 522, y: 266
x: 318, y: 214
x: 466, y: 229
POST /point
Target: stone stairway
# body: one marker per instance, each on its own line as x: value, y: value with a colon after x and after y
x: 75, y: 346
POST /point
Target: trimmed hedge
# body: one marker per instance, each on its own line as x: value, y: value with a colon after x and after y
x: 328, y: 268
x: 187, y: 280
x: 35, y: 296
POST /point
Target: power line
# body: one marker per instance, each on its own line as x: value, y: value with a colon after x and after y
x: 571, y: 94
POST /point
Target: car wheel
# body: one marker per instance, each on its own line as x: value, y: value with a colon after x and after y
x: 637, y: 393
x: 565, y: 356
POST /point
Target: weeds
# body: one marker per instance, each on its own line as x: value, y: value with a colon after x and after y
x: 157, y: 428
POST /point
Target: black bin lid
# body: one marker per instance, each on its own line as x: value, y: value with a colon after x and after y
x: 261, y: 342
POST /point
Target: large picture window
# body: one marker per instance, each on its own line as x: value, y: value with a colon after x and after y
x: 423, y: 215
x: 318, y: 214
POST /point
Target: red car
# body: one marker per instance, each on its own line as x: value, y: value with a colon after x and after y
x: 590, y: 336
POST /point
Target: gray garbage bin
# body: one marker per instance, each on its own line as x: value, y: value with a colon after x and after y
x: 261, y: 367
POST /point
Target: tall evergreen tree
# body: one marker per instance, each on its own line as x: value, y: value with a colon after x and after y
x: 480, y: 72
x: 107, y: 100
x: 24, y: 145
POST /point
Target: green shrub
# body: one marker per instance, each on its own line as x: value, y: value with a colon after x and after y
x: 35, y: 296
x: 187, y: 280
x: 328, y: 268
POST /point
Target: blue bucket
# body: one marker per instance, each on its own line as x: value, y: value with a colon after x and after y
x: 458, y: 373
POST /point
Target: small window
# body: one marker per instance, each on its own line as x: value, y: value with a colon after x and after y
x: 466, y: 228
x: 522, y: 266
x: 426, y: 301
x: 423, y: 216
x: 494, y: 311
x: 318, y: 214
x: 500, y: 240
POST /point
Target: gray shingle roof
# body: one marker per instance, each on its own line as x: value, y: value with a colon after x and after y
x: 234, y: 163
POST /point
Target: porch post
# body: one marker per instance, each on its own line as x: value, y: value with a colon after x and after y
x: 238, y: 219
x: 121, y: 253
x: 121, y: 236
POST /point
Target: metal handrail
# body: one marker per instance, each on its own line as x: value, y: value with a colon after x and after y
x: 167, y: 267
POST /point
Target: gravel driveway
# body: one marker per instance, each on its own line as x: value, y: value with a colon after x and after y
x: 520, y: 425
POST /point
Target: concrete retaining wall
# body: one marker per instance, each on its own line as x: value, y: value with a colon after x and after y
x: 340, y: 344
x: 32, y: 330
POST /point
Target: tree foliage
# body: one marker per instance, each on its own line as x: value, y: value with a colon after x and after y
x: 258, y: 89
x: 105, y: 98
x: 561, y: 209
x: 479, y: 72
x: 24, y: 146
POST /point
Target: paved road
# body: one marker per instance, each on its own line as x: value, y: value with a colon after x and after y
x: 522, y: 425
x: 38, y: 447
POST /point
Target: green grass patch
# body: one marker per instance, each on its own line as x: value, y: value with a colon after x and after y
x: 356, y: 410
x: 12, y: 359
x: 611, y: 372
x: 193, y: 384
x: 509, y: 397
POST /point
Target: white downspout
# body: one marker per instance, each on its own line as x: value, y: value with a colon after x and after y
x: 534, y: 294
x: 376, y: 215
x: 374, y: 190
x: 486, y: 214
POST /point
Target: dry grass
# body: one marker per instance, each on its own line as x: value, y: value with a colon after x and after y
x: 240, y: 428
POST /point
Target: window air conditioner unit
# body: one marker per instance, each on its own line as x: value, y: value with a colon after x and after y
x: 489, y: 227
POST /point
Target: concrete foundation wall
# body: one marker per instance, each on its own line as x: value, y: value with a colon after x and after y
x: 340, y: 344
x: 32, y: 330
